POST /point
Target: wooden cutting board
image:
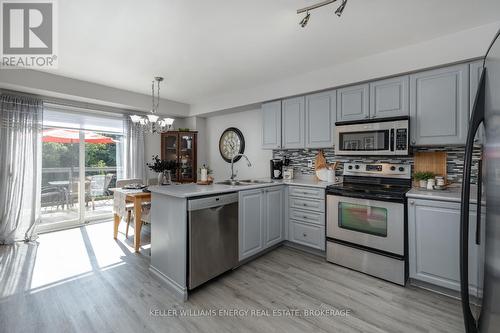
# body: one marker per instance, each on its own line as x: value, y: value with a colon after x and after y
x: 432, y: 161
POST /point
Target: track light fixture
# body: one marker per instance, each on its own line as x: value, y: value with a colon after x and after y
x: 341, y: 8
x: 304, y: 21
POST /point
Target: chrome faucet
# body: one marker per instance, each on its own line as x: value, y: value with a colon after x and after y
x: 233, y: 175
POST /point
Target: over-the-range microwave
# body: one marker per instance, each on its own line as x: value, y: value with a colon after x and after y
x: 388, y: 136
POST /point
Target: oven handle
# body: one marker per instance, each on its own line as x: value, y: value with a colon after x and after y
x: 392, y: 139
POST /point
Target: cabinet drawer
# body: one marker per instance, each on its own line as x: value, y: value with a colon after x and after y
x: 307, y: 217
x: 308, y: 234
x: 301, y: 203
x: 308, y: 192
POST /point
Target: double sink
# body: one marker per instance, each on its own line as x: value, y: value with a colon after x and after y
x: 245, y: 182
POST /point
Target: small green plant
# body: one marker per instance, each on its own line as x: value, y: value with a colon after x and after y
x: 423, y: 175
x: 160, y: 165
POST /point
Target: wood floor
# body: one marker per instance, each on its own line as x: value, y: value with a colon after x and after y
x: 81, y: 280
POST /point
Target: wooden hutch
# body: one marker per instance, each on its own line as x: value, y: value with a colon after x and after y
x: 181, y: 146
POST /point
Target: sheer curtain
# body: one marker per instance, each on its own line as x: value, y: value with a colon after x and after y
x: 134, y: 162
x: 20, y: 167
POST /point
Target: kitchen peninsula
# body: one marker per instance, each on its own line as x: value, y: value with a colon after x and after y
x: 262, y: 216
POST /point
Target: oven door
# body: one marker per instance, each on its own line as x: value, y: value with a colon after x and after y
x: 371, y: 223
x: 365, y: 139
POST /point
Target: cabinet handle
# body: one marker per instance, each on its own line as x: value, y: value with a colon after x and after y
x: 305, y: 217
x: 412, y: 202
x: 367, y: 116
x: 305, y: 205
x: 304, y: 234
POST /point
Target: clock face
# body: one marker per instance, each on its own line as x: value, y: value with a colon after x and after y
x: 231, y: 143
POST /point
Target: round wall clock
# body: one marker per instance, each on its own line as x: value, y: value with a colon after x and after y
x: 231, y: 143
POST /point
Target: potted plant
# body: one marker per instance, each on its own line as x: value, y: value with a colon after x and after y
x: 164, y: 169
x: 422, y: 177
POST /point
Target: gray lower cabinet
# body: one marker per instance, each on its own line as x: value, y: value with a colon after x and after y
x: 293, y: 123
x: 271, y: 125
x: 261, y: 220
x: 434, y: 231
x: 390, y: 97
x: 306, y: 216
x: 475, y: 74
x: 352, y: 103
x: 439, y: 106
x: 321, y: 113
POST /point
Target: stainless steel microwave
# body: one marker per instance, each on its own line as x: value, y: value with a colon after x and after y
x: 373, y: 137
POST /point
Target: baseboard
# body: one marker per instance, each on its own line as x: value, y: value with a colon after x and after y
x: 179, y: 292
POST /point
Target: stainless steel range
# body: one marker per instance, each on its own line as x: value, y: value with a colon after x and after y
x: 367, y: 221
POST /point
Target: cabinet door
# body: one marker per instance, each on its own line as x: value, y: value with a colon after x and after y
x: 390, y: 98
x: 439, y: 106
x: 274, y: 216
x: 271, y: 125
x: 251, y: 223
x: 434, y: 231
x: 293, y: 123
x: 352, y: 103
x: 475, y: 75
x: 320, y: 119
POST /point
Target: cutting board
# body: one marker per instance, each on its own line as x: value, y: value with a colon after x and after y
x: 433, y: 161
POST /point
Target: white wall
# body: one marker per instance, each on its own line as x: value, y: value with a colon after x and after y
x: 463, y: 45
x: 250, y: 124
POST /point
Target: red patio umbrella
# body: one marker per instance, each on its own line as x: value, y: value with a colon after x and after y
x: 59, y: 135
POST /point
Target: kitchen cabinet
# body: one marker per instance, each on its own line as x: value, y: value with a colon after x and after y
x: 352, y: 103
x: 261, y: 220
x: 439, y: 106
x: 475, y: 74
x: 321, y: 113
x: 390, y: 97
x: 434, y: 231
x: 181, y: 147
x: 306, y: 216
x: 293, y: 123
x: 271, y: 125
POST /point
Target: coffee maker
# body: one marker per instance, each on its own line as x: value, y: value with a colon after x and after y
x: 276, y: 168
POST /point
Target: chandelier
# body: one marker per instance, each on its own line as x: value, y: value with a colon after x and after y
x: 152, y: 122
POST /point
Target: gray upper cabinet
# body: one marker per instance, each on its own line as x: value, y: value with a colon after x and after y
x: 251, y: 223
x: 352, y: 103
x: 274, y: 215
x: 475, y: 74
x: 390, y: 97
x: 320, y: 119
x: 293, y: 123
x: 271, y: 125
x: 439, y: 106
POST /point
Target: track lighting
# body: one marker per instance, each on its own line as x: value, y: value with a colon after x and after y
x: 341, y: 8
x: 304, y: 21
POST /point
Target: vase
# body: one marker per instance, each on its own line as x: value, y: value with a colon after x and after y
x: 167, y: 177
x: 423, y: 183
x: 160, y: 178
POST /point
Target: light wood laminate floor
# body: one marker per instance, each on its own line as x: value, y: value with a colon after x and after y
x: 81, y: 280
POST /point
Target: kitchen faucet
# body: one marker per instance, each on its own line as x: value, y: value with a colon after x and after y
x: 233, y: 175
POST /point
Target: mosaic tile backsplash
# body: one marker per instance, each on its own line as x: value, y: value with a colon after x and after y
x: 300, y: 157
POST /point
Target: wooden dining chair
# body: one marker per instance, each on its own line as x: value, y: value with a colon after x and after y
x: 120, y: 183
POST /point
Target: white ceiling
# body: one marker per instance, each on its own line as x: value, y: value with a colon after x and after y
x: 206, y: 48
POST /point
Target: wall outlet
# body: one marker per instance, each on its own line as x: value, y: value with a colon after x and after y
x: 309, y: 163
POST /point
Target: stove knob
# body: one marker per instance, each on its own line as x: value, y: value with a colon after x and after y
x: 349, y: 167
x: 393, y: 168
x: 356, y: 166
x: 401, y: 169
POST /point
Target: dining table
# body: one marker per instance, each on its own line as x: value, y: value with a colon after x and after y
x: 123, y: 196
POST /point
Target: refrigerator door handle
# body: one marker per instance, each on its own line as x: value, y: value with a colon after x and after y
x: 479, y: 199
x: 476, y: 119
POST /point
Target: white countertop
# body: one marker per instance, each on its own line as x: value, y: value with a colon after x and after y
x: 452, y: 193
x: 194, y: 190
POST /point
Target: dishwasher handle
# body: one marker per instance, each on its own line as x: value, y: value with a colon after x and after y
x: 212, y: 201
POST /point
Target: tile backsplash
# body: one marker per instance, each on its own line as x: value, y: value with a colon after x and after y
x: 299, y: 159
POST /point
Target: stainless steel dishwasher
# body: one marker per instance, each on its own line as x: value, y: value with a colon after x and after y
x: 213, y: 237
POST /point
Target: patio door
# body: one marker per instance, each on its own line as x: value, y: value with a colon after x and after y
x: 81, y: 160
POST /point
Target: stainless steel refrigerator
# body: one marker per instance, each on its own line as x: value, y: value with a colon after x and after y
x: 481, y: 306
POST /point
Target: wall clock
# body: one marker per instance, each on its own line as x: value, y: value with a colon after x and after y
x: 231, y: 143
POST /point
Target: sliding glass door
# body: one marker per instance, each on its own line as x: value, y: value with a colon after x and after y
x: 81, y: 160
